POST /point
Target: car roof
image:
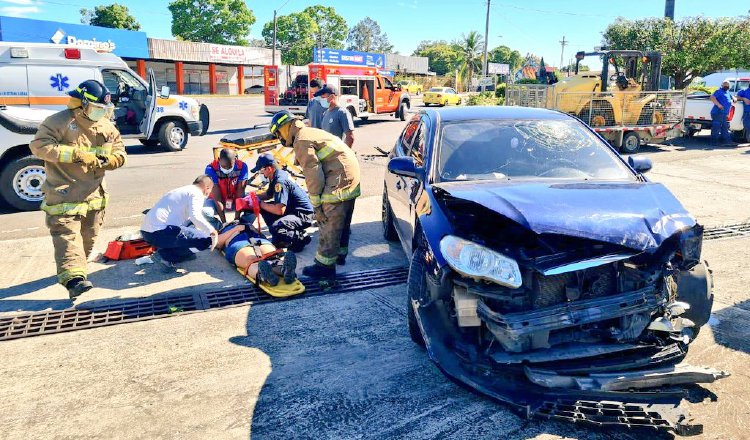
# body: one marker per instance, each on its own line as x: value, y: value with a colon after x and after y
x: 493, y: 112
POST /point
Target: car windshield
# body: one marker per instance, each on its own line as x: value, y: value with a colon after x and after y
x: 437, y: 89
x: 525, y: 149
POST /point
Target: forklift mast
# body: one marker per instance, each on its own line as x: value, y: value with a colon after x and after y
x: 649, y: 74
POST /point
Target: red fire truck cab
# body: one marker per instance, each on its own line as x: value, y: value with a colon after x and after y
x: 362, y: 91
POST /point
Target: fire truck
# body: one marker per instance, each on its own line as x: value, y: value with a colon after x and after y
x: 363, y: 91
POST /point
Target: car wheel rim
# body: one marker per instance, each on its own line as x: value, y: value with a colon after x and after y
x: 27, y: 183
x: 631, y: 143
x: 177, y: 136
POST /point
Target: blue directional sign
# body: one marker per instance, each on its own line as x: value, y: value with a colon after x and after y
x: 348, y: 57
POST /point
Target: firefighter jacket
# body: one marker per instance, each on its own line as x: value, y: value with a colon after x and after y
x: 330, y: 167
x: 70, y: 187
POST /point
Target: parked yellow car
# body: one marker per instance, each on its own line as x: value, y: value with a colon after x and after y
x: 441, y: 96
x: 410, y: 86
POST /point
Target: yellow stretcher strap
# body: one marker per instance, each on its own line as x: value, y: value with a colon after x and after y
x: 67, y: 275
x: 81, y: 208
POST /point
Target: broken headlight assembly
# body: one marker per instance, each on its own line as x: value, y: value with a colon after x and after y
x: 475, y: 261
x: 691, y: 244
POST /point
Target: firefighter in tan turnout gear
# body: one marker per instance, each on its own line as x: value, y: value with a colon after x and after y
x: 332, y: 176
x: 77, y: 145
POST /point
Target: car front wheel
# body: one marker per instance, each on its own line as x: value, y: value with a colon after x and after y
x: 173, y: 135
x: 389, y: 230
x: 21, y: 183
x: 415, y: 288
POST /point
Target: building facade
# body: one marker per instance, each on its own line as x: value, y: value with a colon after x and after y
x: 186, y: 67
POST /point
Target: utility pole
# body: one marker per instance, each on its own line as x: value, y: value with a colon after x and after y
x: 563, y: 43
x: 486, y: 35
x: 669, y: 9
x: 273, y: 50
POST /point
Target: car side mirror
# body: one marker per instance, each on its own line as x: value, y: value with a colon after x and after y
x: 164, y: 93
x: 641, y: 164
x: 403, y: 166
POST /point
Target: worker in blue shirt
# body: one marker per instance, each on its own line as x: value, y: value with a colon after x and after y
x: 719, y: 124
x: 285, y: 206
x: 744, y: 96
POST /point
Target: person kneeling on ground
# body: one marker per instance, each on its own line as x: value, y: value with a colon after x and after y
x: 165, y: 225
x: 230, y: 177
x: 285, y: 206
x: 257, y: 257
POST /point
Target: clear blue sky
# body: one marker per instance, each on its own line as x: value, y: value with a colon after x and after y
x: 528, y: 26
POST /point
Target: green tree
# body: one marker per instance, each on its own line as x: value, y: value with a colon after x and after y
x: 505, y: 55
x: 691, y: 47
x: 114, y: 16
x: 332, y: 28
x: 443, y: 57
x: 212, y: 21
x: 366, y: 36
x: 295, y: 37
x: 471, y: 47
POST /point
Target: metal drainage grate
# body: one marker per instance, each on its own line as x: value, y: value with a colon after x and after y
x: 43, y: 323
x: 728, y: 231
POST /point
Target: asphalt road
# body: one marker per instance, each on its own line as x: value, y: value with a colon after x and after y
x: 150, y: 173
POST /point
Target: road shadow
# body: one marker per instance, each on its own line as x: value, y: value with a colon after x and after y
x: 730, y: 326
x: 695, y: 143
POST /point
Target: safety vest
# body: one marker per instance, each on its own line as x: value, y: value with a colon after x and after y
x: 228, y: 182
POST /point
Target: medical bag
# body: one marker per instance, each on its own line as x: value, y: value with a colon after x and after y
x: 128, y: 247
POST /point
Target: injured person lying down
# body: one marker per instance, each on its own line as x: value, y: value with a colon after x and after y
x: 256, y: 257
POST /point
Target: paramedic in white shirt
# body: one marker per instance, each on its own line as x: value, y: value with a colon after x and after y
x: 165, y: 226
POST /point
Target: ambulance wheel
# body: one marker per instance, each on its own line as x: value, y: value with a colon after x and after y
x: 149, y: 142
x: 631, y: 142
x: 21, y: 183
x: 173, y: 135
x: 364, y: 118
x: 403, y: 108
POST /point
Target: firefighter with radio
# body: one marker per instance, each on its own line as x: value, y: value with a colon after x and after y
x: 332, y: 176
x: 77, y: 145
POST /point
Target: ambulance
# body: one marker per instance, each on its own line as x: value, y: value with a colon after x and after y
x: 35, y: 81
x: 364, y: 92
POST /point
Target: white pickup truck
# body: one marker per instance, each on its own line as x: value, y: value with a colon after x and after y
x: 698, y: 117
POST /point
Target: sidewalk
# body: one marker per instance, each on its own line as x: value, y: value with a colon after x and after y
x: 28, y: 281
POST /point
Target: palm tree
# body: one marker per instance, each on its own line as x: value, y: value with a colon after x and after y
x: 471, y: 47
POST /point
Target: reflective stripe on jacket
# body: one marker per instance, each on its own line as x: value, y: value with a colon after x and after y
x: 330, y: 167
x: 71, y: 188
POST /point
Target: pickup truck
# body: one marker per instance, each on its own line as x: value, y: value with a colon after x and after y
x: 698, y: 117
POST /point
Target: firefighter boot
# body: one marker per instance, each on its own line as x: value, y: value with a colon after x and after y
x: 77, y: 287
x: 320, y: 272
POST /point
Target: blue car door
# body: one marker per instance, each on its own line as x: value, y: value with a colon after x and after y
x: 397, y: 185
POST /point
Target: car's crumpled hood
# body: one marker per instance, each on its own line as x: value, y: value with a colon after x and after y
x: 638, y: 215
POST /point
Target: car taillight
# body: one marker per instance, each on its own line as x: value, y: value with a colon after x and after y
x: 731, y: 114
x: 73, y: 54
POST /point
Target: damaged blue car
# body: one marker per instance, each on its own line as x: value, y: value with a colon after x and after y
x: 546, y: 271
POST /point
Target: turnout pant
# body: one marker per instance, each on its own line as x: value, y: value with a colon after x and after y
x: 287, y: 230
x: 173, y: 243
x: 719, y: 126
x: 335, y: 230
x: 73, y: 238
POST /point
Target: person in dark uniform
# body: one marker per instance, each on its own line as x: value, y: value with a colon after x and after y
x: 285, y: 206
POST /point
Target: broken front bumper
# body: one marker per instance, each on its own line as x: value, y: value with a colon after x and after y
x: 619, y: 384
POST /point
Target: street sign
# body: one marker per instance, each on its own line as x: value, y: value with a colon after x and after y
x: 348, y: 57
x: 498, y: 69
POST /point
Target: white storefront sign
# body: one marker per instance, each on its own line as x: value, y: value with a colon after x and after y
x: 228, y: 54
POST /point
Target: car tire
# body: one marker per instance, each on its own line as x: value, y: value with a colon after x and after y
x: 204, y: 117
x: 695, y: 288
x: 364, y: 118
x: 691, y: 132
x: 149, y: 142
x: 389, y: 229
x: 415, y: 288
x: 21, y: 183
x: 631, y: 142
x: 402, y: 109
x: 173, y: 135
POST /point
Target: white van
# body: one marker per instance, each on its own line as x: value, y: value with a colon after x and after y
x: 34, y: 83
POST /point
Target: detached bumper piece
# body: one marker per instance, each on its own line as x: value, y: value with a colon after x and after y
x: 626, y: 380
x: 654, y: 417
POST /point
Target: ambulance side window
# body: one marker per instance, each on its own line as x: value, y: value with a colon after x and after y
x: 122, y: 83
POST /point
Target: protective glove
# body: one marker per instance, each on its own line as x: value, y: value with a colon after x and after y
x: 110, y: 161
x: 320, y: 215
x: 85, y: 158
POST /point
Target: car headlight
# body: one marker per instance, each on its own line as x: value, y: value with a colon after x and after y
x: 476, y: 261
x: 195, y: 111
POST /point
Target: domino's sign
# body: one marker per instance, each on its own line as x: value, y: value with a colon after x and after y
x: 349, y: 58
x: 124, y: 43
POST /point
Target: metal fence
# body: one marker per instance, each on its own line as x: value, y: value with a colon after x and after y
x: 604, y: 109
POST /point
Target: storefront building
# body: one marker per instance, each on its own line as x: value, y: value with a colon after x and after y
x: 186, y: 67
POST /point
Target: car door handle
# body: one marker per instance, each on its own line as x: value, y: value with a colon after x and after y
x: 398, y: 185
